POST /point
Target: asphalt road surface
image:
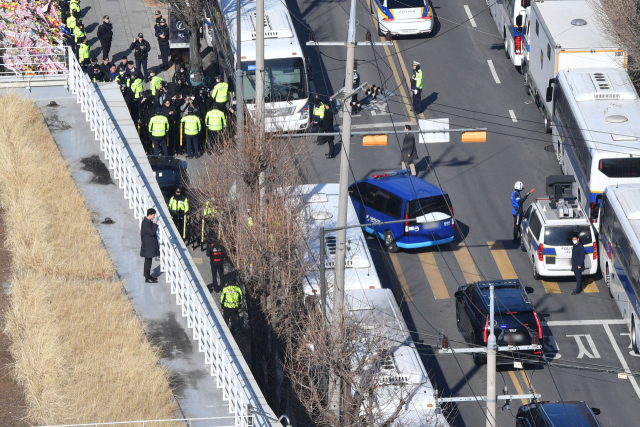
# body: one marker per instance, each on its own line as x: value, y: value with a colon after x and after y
x: 457, y: 60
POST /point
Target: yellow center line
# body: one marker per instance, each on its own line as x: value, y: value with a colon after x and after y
x: 404, y: 69
x: 466, y: 263
x: 405, y: 99
x: 525, y: 377
x: 501, y: 258
x: 401, y: 279
x: 551, y: 287
x: 589, y: 285
x: 516, y: 383
x: 434, y: 277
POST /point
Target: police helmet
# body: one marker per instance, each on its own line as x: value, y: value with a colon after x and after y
x: 518, y: 186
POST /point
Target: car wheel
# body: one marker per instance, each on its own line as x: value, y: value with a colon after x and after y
x: 506, y: 47
x: 607, y: 279
x: 536, y: 276
x: 390, y: 242
x: 634, y: 341
x: 523, y: 248
x: 547, y: 122
x: 478, y: 358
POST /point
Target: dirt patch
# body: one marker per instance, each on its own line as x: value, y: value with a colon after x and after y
x: 99, y: 170
x: 12, y: 404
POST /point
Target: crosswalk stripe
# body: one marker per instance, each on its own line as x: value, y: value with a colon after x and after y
x: 551, y: 287
x: 401, y: 278
x: 434, y: 277
x: 501, y: 258
x: 589, y: 285
x: 466, y: 263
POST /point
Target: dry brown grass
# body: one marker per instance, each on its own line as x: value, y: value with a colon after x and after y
x: 80, y: 351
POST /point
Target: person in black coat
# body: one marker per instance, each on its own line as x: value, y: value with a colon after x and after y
x: 141, y: 48
x: 105, y: 35
x: 409, y: 152
x: 577, y: 262
x: 327, y: 126
x: 150, y: 248
x: 162, y: 33
x: 216, y: 254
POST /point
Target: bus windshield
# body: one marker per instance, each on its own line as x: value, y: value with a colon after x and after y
x: 284, y: 80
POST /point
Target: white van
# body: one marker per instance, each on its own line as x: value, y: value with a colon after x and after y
x: 402, y: 17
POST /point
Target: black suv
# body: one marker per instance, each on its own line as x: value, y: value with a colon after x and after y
x: 557, y: 414
x: 516, y: 322
x: 170, y: 173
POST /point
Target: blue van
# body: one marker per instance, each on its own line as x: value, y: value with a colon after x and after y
x: 398, y: 195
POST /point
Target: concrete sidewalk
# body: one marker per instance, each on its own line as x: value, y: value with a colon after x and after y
x: 194, y: 387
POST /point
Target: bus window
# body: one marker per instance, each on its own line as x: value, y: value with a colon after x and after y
x: 620, y: 168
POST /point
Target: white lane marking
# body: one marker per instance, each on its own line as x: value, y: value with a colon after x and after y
x: 493, y: 71
x: 399, y: 125
x: 584, y: 322
x: 513, y: 116
x: 623, y: 362
x: 471, y: 20
x: 582, y: 350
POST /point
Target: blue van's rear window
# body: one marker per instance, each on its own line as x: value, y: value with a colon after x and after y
x: 403, y: 4
x: 418, y: 207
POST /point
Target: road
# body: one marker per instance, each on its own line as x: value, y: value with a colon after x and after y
x: 468, y: 80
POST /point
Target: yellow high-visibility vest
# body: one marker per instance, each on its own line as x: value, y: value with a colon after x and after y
x: 215, y: 120
x: 220, y: 92
x: 158, y: 125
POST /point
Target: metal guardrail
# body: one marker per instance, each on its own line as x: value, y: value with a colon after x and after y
x: 227, y: 365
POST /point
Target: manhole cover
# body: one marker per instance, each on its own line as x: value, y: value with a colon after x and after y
x: 550, y: 148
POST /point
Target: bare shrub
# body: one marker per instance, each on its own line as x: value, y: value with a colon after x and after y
x: 80, y: 352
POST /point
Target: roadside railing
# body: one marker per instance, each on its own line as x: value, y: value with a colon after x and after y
x: 34, y: 66
x: 228, y: 367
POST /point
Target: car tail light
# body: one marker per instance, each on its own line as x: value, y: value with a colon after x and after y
x: 595, y: 251
x: 388, y: 19
x: 540, y: 252
x: 486, y: 329
x: 406, y: 225
x: 453, y: 225
x: 518, y: 45
x: 539, y: 332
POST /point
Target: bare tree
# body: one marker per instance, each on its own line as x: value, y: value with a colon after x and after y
x: 620, y: 20
x: 191, y: 14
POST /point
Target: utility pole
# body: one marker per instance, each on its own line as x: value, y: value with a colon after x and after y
x: 491, y: 365
x: 239, y: 92
x: 260, y: 65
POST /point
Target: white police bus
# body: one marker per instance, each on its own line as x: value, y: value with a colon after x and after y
x: 400, y: 371
x: 596, y: 113
x: 620, y: 252
x: 509, y: 16
x: 286, y: 87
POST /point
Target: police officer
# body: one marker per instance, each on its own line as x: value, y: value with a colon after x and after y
x: 416, y: 87
x: 83, y: 52
x: 577, y: 262
x: 231, y: 300
x: 159, y: 127
x: 162, y: 33
x: 140, y: 48
x: 74, y: 9
x: 136, y: 86
x: 105, y: 35
x: 220, y: 93
x: 216, y: 255
x: 97, y: 75
x: 318, y: 114
x: 327, y: 127
x: 215, y: 121
x: 78, y: 36
x: 179, y: 207
x: 516, y: 204
x: 192, y: 128
x: 155, y: 82
x: 158, y: 16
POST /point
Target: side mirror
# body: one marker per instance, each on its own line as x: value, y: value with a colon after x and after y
x: 519, y: 21
x: 549, y: 97
x: 595, y: 411
x: 458, y: 294
x: 595, y: 211
x: 529, y: 289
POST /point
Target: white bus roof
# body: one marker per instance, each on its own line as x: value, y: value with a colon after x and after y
x: 558, y: 16
x: 279, y: 34
x: 322, y: 210
x: 402, y: 371
x: 609, y: 106
x: 629, y: 199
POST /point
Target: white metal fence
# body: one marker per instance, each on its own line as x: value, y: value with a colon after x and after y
x: 229, y: 369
